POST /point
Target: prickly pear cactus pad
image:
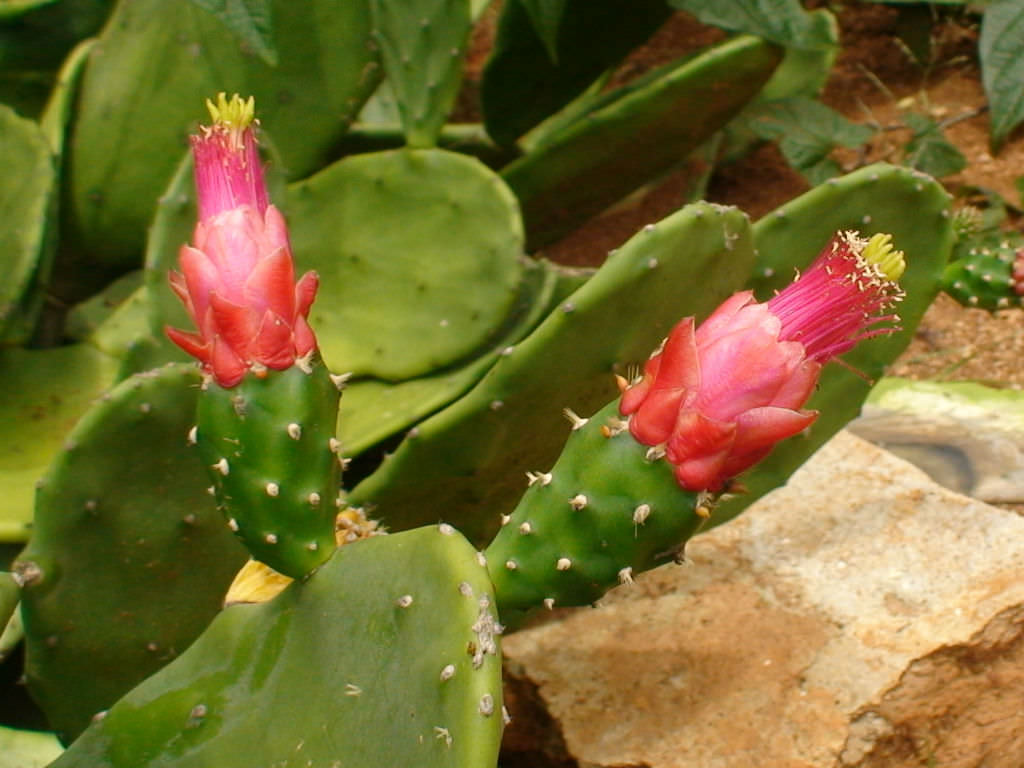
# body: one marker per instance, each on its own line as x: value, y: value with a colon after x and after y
x: 375, y: 410
x: 129, y: 558
x: 617, y: 147
x: 386, y: 656
x: 269, y: 445
x: 24, y: 202
x: 42, y: 406
x: 465, y: 464
x: 398, y: 238
x: 604, y: 512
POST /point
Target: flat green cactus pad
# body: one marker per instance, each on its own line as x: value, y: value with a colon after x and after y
x: 619, y: 146
x: 129, y: 559
x: 41, y: 406
x: 25, y: 198
x: 143, y: 92
x: 386, y: 656
x: 373, y: 410
x: 419, y: 259
x: 466, y: 464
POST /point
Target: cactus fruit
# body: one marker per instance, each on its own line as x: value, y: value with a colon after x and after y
x: 269, y: 445
x: 386, y: 656
x: 987, y: 271
x: 128, y: 560
x: 604, y: 512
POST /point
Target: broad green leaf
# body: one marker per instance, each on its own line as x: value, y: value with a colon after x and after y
x: 807, y: 131
x: 546, y: 16
x: 782, y: 21
x: 1001, y: 47
x: 524, y: 83
x: 928, y: 150
x: 248, y: 20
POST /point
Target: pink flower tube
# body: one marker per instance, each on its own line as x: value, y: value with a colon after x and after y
x: 717, y: 398
x: 237, y: 280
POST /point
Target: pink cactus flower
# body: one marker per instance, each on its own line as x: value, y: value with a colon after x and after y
x: 237, y: 280
x: 716, y: 399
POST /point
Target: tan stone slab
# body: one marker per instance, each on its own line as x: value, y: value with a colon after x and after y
x: 861, y: 616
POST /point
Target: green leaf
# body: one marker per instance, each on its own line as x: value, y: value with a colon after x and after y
x: 928, y: 149
x: 781, y: 21
x: 249, y: 21
x: 1001, y: 47
x: 524, y: 82
x: 546, y: 16
x: 807, y: 131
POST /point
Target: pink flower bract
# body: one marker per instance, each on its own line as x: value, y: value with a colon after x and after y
x: 719, y: 397
x: 237, y: 279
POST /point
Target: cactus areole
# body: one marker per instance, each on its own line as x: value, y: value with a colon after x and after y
x: 237, y: 280
x: 717, y: 398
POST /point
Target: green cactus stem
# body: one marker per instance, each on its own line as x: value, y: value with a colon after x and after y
x: 609, y: 509
x: 269, y: 446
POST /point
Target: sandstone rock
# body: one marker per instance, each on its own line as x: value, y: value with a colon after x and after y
x: 862, y: 616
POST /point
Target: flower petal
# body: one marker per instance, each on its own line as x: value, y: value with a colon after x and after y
x: 272, y: 345
x: 270, y: 284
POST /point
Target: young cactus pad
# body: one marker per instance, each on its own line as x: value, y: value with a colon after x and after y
x: 386, y: 656
x: 128, y: 560
x: 606, y: 511
x: 269, y: 445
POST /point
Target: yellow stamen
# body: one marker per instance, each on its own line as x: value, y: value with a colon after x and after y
x: 233, y: 113
x: 886, y: 259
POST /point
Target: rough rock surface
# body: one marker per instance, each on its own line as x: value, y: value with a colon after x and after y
x: 861, y: 616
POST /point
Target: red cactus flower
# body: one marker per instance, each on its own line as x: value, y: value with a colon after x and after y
x: 237, y: 280
x: 717, y: 398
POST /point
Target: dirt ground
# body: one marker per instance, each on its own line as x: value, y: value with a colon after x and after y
x: 876, y: 77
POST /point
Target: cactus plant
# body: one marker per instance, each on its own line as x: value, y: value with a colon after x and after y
x: 461, y: 345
